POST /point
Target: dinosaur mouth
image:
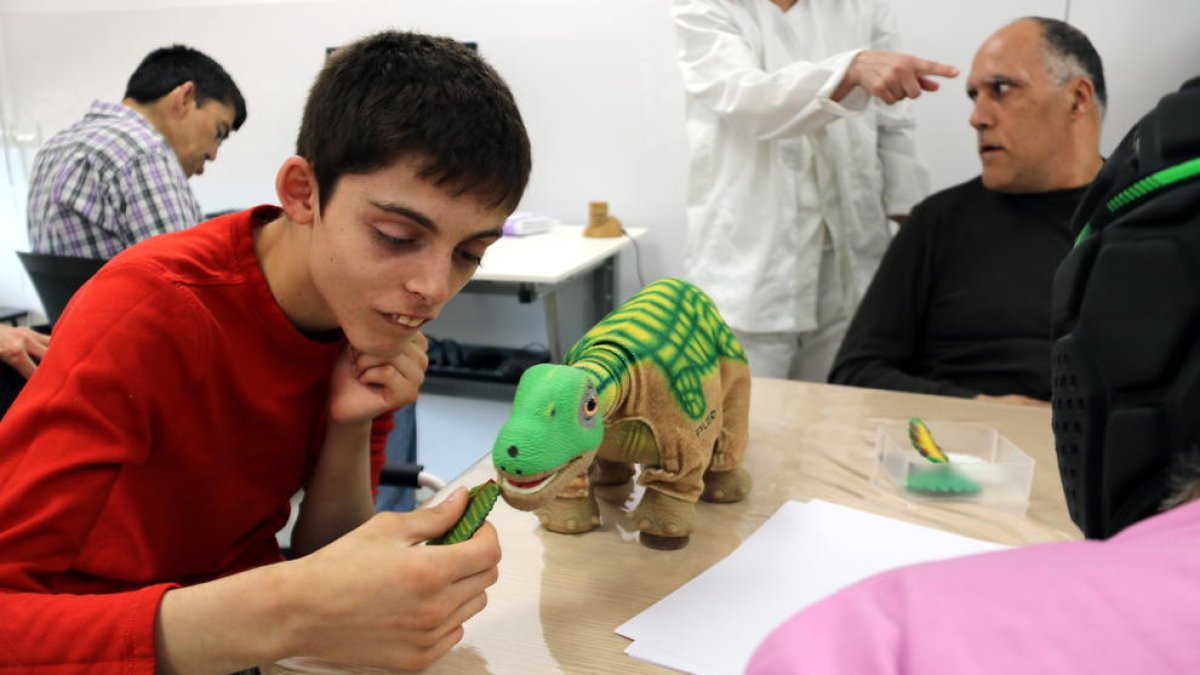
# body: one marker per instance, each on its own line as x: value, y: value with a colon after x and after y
x: 528, y: 486
x: 530, y: 492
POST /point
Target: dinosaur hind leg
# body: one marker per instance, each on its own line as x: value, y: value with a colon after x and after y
x: 725, y: 480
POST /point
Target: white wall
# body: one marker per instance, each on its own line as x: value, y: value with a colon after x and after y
x: 1149, y: 49
x: 596, y: 81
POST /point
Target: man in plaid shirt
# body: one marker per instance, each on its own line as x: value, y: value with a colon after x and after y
x: 120, y: 174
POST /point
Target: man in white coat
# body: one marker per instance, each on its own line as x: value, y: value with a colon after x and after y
x: 795, y: 168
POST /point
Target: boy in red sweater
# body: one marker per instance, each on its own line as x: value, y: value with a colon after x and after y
x: 203, y: 377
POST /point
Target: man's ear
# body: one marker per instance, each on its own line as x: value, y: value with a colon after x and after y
x: 182, y: 99
x: 296, y: 187
x: 1083, y: 96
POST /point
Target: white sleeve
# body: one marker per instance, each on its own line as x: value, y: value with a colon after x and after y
x: 905, y: 176
x: 722, y: 73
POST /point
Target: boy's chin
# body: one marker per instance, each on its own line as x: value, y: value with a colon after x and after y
x: 385, y: 347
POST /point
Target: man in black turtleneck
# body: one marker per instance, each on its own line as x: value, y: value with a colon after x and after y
x: 960, y: 304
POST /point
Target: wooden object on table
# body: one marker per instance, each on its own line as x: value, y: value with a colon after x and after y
x: 600, y: 224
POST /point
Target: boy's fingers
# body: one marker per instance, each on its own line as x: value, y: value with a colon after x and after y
x: 473, y: 562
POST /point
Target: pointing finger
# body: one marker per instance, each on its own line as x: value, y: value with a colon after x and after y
x: 935, y: 68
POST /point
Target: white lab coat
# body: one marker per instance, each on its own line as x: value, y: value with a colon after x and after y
x: 772, y: 156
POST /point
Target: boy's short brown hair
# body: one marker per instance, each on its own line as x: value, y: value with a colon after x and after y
x: 398, y: 95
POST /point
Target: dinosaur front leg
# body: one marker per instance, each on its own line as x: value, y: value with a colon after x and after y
x: 665, y: 522
x: 626, y: 442
x: 604, y: 472
x: 666, y: 516
x: 573, y: 511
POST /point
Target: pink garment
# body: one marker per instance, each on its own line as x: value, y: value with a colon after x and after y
x: 1127, y: 605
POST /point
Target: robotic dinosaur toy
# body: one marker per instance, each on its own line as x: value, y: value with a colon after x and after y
x: 660, y: 382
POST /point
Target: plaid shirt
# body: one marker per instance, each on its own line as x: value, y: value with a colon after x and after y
x: 104, y: 184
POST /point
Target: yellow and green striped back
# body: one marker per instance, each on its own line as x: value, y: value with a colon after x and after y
x: 670, y: 325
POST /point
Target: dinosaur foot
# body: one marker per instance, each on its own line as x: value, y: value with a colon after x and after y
x: 665, y: 522
x: 726, y: 486
x: 663, y: 543
x: 605, y: 472
x: 570, y: 516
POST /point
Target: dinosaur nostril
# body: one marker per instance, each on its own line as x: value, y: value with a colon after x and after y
x: 512, y: 451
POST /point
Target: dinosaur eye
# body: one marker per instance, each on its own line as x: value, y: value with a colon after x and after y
x: 588, y: 412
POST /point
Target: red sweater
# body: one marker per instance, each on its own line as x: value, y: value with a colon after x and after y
x: 158, y: 444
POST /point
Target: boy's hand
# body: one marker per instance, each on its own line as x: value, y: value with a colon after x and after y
x: 377, y: 597
x: 364, y: 386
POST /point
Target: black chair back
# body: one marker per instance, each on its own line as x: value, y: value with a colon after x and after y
x: 57, y: 277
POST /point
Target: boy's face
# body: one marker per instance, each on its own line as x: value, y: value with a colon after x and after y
x: 390, y: 249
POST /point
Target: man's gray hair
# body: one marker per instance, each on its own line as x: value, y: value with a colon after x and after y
x: 1070, y: 54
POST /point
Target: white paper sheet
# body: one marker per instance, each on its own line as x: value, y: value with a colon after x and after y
x: 804, y: 552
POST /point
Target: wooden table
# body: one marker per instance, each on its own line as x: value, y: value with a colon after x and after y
x: 560, y: 597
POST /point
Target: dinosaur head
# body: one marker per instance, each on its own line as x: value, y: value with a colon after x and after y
x: 554, y: 431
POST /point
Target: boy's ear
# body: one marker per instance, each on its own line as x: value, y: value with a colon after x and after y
x: 296, y: 187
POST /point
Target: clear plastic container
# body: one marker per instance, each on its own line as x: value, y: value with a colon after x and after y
x: 984, y: 467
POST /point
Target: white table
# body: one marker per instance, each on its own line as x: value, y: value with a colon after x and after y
x: 535, y: 267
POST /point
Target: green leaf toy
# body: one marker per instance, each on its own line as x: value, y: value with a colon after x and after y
x: 481, y: 499
x: 940, y: 479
